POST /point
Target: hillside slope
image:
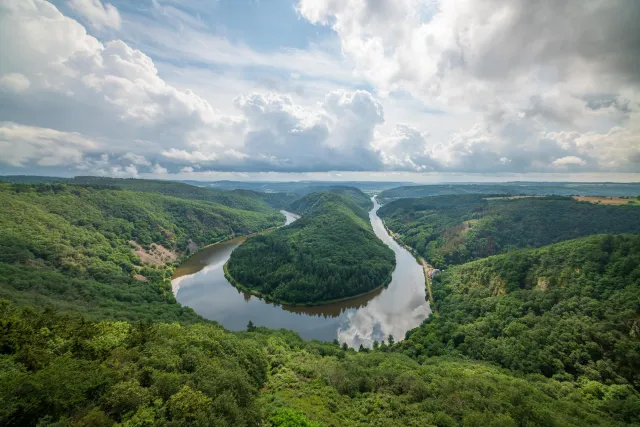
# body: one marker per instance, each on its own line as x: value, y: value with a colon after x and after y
x: 513, y: 189
x: 450, y: 230
x: 83, y: 248
x: 567, y: 311
x: 245, y: 200
x: 330, y: 253
x: 351, y: 193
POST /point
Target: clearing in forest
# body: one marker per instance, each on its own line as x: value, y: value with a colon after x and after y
x: 609, y: 200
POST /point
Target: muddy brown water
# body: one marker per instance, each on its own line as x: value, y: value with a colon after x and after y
x: 199, y: 283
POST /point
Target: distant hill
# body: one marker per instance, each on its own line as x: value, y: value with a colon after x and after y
x: 514, y: 189
x: 351, y: 193
x: 450, y: 230
x: 240, y: 199
x: 330, y: 253
x: 299, y: 187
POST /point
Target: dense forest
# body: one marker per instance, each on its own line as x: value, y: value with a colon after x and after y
x: 610, y: 189
x: 330, y: 253
x: 238, y: 199
x: 568, y: 311
x: 60, y: 370
x: 351, y: 193
x: 91, y: 335
x: 449, y: 230
x: 104, y: 251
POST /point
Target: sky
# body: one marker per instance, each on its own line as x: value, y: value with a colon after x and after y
x: 391, y: 90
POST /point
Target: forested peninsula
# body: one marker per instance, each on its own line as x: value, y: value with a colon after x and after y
x: 331, y: 253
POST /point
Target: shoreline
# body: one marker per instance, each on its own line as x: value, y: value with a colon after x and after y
x: 175, y: 282
x: 426, y: 268
x: 269, y: 299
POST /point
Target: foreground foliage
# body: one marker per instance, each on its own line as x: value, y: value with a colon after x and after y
x: 59, y: 370
x: 330, y: 253
x: 337, y: 388
x: 449, y: 230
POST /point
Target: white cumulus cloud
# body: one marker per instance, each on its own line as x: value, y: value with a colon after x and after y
x: 46, y: 147
x: 97, y: 14
x: 532, y: 101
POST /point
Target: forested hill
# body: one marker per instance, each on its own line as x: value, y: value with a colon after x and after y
x: 514, y: 189
x: 356, y: 201
x: 354, y: 194
x: 567, y: 311
x: 330, y: 253
x: 449, y: 230
x: 82, y: 248
x: 238, y: 199
x: 549, y: 337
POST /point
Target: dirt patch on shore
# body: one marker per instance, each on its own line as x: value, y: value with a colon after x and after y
x: 155, y: 255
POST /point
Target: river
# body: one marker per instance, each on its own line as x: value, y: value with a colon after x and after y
x: 199, y: 283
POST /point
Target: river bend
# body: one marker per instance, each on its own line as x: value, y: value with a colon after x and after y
x: 199, y: 283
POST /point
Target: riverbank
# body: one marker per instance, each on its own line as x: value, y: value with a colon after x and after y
x: 426, y: 267
x: 175, y: 281
x: 391, y: 309
x: 270, y: 299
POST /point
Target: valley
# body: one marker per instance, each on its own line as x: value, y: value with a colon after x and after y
x: 116, y: 310
x: 200, y: 283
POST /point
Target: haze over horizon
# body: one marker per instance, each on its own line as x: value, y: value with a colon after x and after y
x: 421, y: 91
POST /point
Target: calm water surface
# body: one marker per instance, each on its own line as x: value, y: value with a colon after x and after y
x: 200, y: 284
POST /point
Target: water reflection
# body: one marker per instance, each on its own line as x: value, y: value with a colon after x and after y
x: 199, y: 283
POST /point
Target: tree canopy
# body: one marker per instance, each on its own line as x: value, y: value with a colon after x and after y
x: 82, y: 248
x: 330, y: 253
x: 450, y: 230
x: 567, y: 311
x: 92, y: 335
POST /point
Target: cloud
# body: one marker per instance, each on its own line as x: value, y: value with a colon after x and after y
x: 97, y: 15
x: 114, y: 91
x: 428, y: 46
x: 186, y: 169
x: 406, y: 148
x: 159, y: 170
x: 45, y: 147
x: 568, y: 160
x: 14, y: 82
x: 174, y: 39
x: 79, y: 84
x: 616, y: 150
x: 68, y: 98
x: 491, y: 59
x: 104, y: 165
x: 335, y: 135
x: 136, y: 159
